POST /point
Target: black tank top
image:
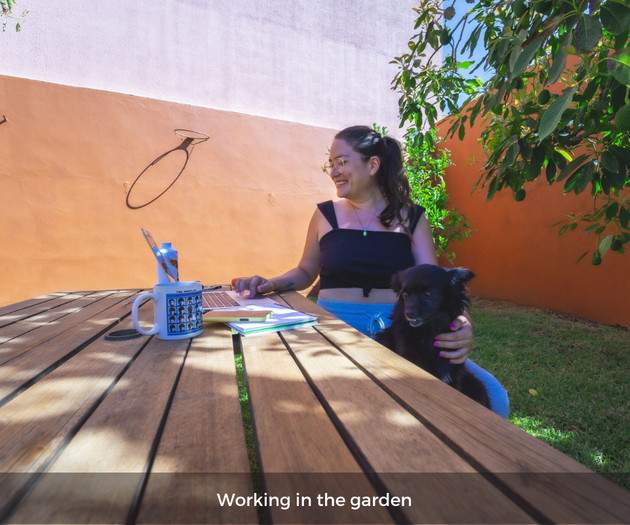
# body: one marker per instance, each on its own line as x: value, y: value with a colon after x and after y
x: 351, y: 260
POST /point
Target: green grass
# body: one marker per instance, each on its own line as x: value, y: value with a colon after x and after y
x: 568, y: 380
x: 246, y: 414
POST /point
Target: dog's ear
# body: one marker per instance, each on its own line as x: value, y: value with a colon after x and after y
x: 397, y: 282
x: 461, y: 275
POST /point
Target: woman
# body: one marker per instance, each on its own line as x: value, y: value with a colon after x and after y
x: 355, y: 244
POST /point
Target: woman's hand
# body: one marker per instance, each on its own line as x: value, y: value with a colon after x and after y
x: 458, y: 343
x: 255, y: 285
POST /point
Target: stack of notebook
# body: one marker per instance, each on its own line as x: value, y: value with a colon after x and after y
x: 252, y: 316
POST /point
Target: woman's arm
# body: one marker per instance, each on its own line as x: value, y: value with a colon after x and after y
x: 422, y: 243
x: 457, y: 344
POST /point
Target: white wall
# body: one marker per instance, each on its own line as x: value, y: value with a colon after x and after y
x: 318, y: 62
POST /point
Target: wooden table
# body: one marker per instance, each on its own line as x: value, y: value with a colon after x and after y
x: 343, y: 430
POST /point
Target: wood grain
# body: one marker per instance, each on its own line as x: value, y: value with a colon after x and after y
x: 549, y: 485
x: 108, y: 455
x: 298, y: 445
x: 202, y: 451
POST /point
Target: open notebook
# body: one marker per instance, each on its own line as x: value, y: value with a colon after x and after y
x: 251, y: 316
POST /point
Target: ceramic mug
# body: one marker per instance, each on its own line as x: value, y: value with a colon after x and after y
x: 178, y: 312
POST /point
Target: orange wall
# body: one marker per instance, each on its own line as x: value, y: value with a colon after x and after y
x: 68, y: 156
x: 517, y: 254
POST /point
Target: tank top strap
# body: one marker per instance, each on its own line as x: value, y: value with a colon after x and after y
x: 416, y: 213
x: 328, y: 211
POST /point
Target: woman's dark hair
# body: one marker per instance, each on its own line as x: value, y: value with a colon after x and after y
x: 390, y: 177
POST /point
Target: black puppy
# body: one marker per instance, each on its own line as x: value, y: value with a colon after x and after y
x: 429, y: 299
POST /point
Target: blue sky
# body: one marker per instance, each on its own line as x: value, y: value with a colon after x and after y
x: 462, y: 7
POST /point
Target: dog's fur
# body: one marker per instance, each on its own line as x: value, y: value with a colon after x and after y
x: 429, y: 299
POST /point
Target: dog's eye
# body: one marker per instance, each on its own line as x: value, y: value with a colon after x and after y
x: 404, y: 296
x: 428, y: 293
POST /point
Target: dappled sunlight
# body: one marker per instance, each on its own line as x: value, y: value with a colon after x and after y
x: 401, y: 418
x: 110, y: 357
x: 10, y: 318
x: 103, y: 449
x: 225, y: 387
x: 538, y: 429
x: 599, y: 458
x: 57, y: 393
x: 592, y: 455
x: 288, y: 406
x: 16, y: 374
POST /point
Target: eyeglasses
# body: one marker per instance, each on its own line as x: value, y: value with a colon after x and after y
x: 338, y: 164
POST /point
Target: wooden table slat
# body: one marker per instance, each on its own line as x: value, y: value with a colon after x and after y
x: 26, y: 358
x: 203, y: 455
x: 18, y: 338
x: 114, y: 445
x: 43, y: 313
x: 44, y: 417
x: 295, y: 435
x: 384, y: 433
x: 12, y: 312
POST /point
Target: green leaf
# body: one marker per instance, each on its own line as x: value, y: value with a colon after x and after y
x: 624, y: 217
x: 611, y: 211
x: 543, y: 6
x: 518, y: 39
x: 511, y: 154
x: 445, y: 36
x: 581, y: 257
x: 622, y: 118
x: 525, y: 57
x: 571, y: 181
x: 588, y: 33
x: 586, y: 176
x: 492, y: 189
x: 615, y: 17
x: 552, y: 116
x: 614, y: 180
x: 591, y: 88
x: 619, y: 66
x: 623, y: 154
x: 571, y: 167
x: 605, y: 244
x: 519, y: 7
x: 550, y: 171
x: 621, y: 40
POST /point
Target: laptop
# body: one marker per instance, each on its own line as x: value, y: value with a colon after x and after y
x: 218, y: 305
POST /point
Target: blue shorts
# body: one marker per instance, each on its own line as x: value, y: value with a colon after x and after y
x: 371, y: 318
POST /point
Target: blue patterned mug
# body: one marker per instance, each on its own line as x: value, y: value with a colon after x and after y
x: 177, y: 310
